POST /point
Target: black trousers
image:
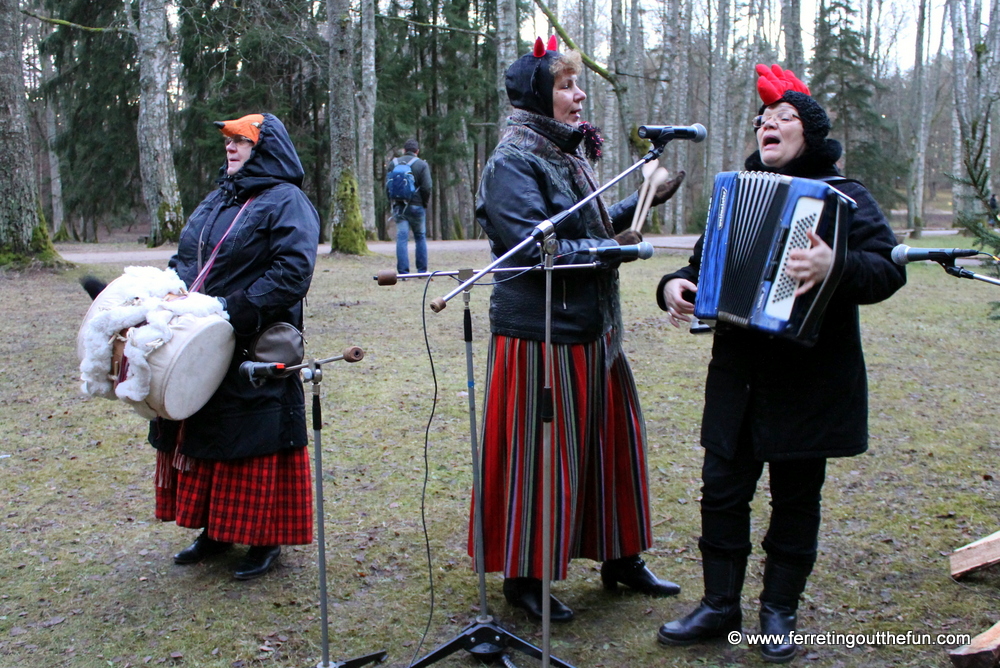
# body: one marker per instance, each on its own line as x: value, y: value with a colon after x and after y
x: 728, y: 488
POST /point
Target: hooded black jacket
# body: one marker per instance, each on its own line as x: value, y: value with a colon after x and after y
x: 263, y: 271
x: 800, y: 402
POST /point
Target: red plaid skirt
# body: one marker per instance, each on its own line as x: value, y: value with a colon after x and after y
x: 263, y: 500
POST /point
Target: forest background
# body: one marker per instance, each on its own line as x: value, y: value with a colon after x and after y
x: 118, y: 98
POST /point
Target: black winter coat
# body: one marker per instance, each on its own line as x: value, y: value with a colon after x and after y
x: 535, y: 172
x: 800, y: 402
x: 263, y: 271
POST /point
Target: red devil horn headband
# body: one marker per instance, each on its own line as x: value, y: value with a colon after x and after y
x: 773, y: 82
x: 541, y: 48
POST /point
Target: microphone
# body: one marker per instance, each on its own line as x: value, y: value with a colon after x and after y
x: 902, y: 254
x: 642, y: 250
x: 695, y: 133
x: 255, y: 371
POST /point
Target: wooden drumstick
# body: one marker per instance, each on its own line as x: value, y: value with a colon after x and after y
x: 647, y: 171
x: 659, y: 177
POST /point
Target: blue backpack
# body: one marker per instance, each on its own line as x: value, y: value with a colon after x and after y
x: 399, y: 183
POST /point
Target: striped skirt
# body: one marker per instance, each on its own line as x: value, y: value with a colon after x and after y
x: 264, y: 500
x: 600, y: 490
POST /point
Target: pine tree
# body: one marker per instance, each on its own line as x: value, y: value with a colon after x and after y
x: 843, y: 84
x: 253, y: 57
x: 96, y: 84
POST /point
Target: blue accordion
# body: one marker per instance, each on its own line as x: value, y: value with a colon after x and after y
x: 754, y: 220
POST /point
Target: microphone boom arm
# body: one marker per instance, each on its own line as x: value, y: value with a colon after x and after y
x: 545, y: 228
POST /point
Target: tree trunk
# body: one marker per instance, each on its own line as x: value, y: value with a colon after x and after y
x: 791, y: 27
x: 18, y: 193
x: 366, y: 118
x: 55, y: 172
x: 156, y: 160
x: 347, y: 233
x: 677, y: 50
x: 976, y: 78
x: 507, y: 25
x: 620, y: 68
x: 915, y: 193
x: 718, y: 86
x: 587, y: 27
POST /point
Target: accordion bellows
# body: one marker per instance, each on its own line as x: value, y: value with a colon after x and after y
x: 755, y: 219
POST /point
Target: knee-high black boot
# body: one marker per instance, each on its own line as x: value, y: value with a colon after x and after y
x: 784, y: 582
x: 719, y: 611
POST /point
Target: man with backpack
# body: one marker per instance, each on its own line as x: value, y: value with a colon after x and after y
x: 408, y: 185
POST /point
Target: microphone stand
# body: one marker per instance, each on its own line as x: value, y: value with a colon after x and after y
x: 313, y: 371
x: 952, y: 269
x: 543, y: 234
x: 547, y: 227
x: 484, y: 638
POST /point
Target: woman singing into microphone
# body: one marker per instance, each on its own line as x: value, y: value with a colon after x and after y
x: 600, y: 491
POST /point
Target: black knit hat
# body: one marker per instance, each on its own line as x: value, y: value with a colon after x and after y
x: 530, y: 80
x: 815, y: 122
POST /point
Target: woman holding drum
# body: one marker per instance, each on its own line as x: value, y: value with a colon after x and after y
x: 238, y: 468
x: 772, y: 400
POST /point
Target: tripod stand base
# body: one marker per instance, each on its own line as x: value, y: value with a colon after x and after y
x: 486, y: 641
x: 376, y: 657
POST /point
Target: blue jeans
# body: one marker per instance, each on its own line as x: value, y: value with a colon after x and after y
x: 407, y: 217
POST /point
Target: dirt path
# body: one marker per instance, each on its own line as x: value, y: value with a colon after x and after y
x: 663, y: 243
x: 119, y: 256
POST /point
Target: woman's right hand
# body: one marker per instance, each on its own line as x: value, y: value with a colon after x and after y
x: 679, y: 309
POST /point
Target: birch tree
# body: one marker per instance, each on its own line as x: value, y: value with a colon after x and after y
x: 915, y: 191
x: 156, y: 160
x: 55, y: 167
x: 18, y: 194
x: 366, y: 118
x: 976, y: 78
x: 791, y: 29
x: 718, y: 86
x: 507, y: 28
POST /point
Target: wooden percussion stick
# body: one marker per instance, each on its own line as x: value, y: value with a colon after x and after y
x: 659, y: 177
x: 647, y: 170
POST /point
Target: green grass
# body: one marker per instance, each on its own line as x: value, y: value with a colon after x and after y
x: 87, y: 579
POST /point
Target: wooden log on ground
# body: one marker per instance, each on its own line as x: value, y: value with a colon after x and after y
x: 980, y: 554
x: 982, y: 652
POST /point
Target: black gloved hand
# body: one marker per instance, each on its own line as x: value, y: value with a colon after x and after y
x: 666, y: 190
x: 628, y: 238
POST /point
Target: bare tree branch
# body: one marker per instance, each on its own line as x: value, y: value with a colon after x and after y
x: 70, y: 24
x: 435, y: 27
x: 564, y: 36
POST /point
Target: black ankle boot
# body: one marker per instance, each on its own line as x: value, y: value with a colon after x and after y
x: 719, y: 611
x: 784, y: 582
x: 526, y: 593
x: 201, y: 548
x: 258, y: 561
x: 632, y: 572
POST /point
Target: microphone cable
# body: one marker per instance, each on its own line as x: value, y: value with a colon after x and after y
x: 427, y: 431
x: 427, y: 470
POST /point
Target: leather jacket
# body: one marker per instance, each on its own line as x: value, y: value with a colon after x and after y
x: 537, y: 171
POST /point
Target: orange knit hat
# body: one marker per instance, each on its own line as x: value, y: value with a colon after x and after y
x: 248, y: 126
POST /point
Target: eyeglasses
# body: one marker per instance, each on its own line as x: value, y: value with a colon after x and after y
x: 781, y: 117
x: 239, y: 141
